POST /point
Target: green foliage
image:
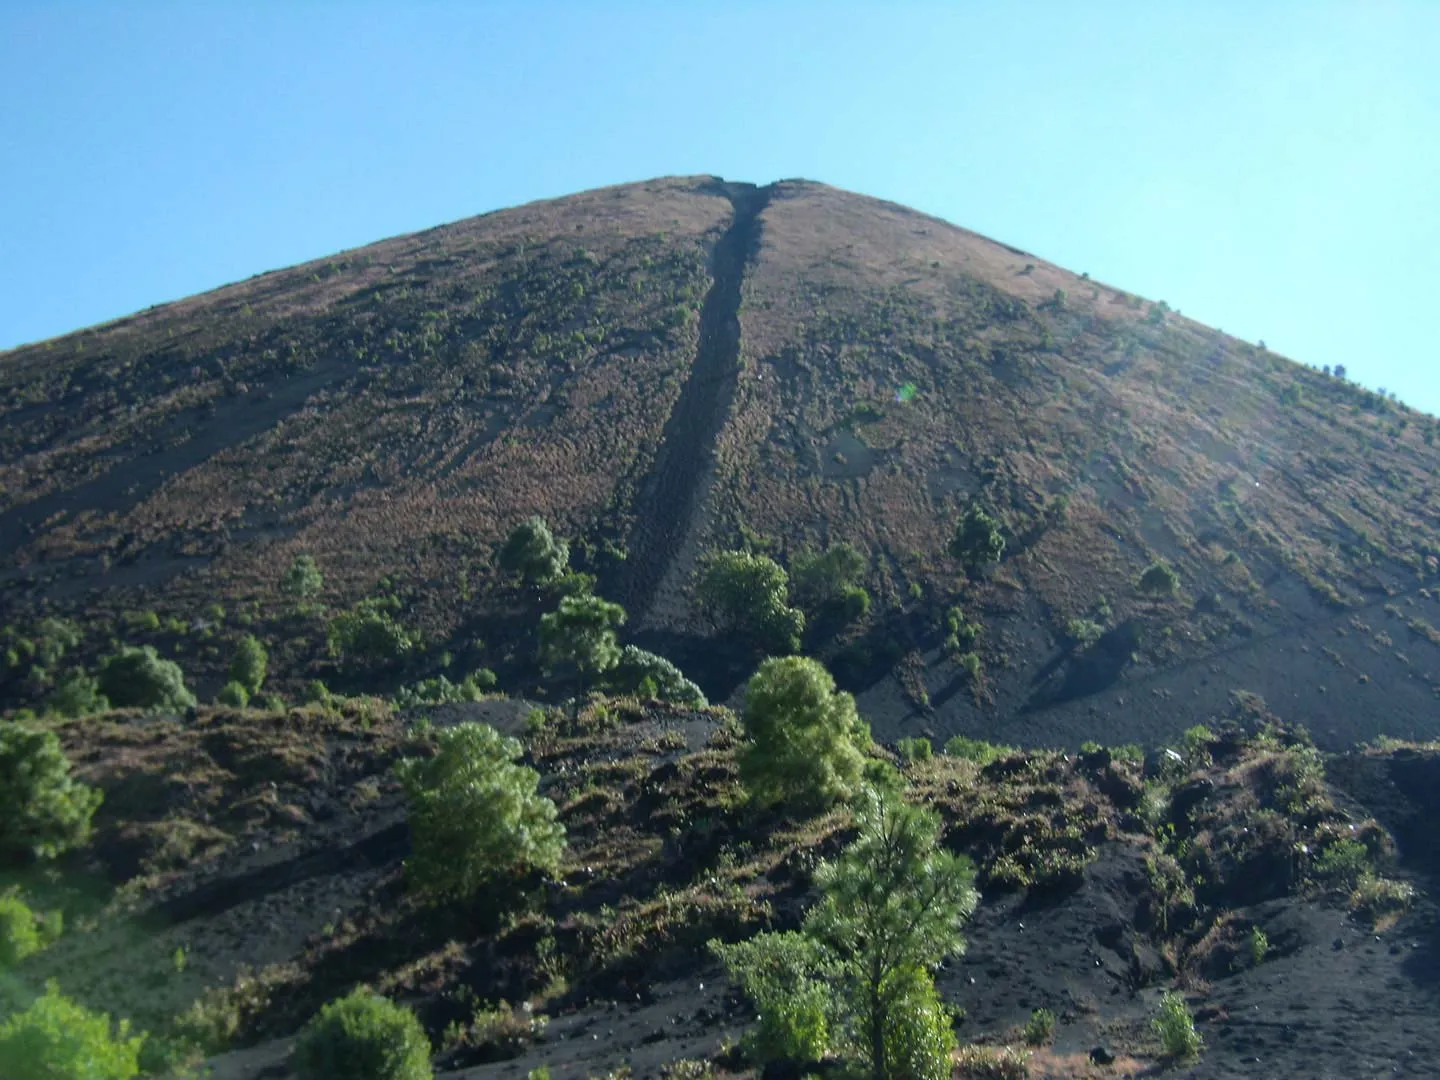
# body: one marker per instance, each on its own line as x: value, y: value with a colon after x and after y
x: 303, y: 579
x: 1084, y: 632
x: 805, y: 741
x: 918, y: 1037
x: 638, y: 668
x: 976, y: 750
x: 1159, y: 579
x: 749, y: 593
x: 534, y: 553
x: 960, y: 632
x: 78, y: 695
x: 787, y: 976
x: 1344, y: 863
x: 915, y: 748
x: 368, y: 634
x: 855, y: 978
x: 828, y: 583
x: 977, y: 541
x: 139, y: 678
x: 249, y: 664
x: 475, y: 815
x: 581, y: 632
x: 362, y: 1036
x: 1176, y: 1028
x: 1259, y: 945
x: 234, y: 695
x: 56, y: 1039
x: 19, y: 931
x: 440, y: 690
x: 43, y: 810
x: 315, y: 693
x: 1040, y: 1028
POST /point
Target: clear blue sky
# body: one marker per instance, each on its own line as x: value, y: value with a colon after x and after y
x: 1269, y: 168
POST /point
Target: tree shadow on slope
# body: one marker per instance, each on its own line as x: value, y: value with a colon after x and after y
x: 1097, y: 668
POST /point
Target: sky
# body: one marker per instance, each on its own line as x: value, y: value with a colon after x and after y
x: 1269, y: 169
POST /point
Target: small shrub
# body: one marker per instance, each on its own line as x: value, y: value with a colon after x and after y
x: 915, y: 749
x: 249, y: 666
x: 315, y: 693
x: 234, y: 695
x: 43, y: 810
x: 960, y: 632
x: 56, y: 1039
x: 1176, y: 1027
x: 19, y: 931
x: 369, y: 635
x: 1040, y: 1028
x: 533, y: 552
x: 1159, y: 579
x: 992, y: 1063
x: 976, y: 750
x: 303, y: 579
x: 139, y: 678
x: 785, y: 976
x: 78, y: 695
x: 637, y: 667
x: 475, y: 815
x: 1343, y: 864
x: 1259, y: 946
x: 1084, y: 632
x: 362, y: 1036
x: 1377, y: 896
x: 977, y: 540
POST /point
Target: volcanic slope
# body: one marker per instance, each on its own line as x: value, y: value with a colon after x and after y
x: 665, y: 368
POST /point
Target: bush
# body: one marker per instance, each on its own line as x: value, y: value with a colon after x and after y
x: 749, y: 593
x: 1159, y: 579
x: 362, y: 1036
x: 1176, y: 1028
x: 315, y: 693
x: 139, y: 678
x: 78, y: 695
x: 56, y: 1039
x: 19, y: 931
x: 1040, y: 1028
x: 234, y: 695
x: 1084, y: 632
x: 787, y: 977
x: 960, y: 633
x: 303, y: 580
x: 976, y: 750
x: 441, y: 691
x: 666, y: 681
x: 250, y: 663
x: 918, y: 1035
x: 1345, y: 863
x: 828, y: 583
x: 914, y: 749
x: 805, y: 740
x: 581, y: 632
x: 475, y: 815
x: 367, y: 634
x: 43, y: 811
x: 533, y: 552
x: 977, y: 540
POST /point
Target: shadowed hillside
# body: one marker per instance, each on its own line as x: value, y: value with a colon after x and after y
x: 666, y: 368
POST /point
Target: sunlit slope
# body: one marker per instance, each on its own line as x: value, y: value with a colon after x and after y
x: 667, y: 367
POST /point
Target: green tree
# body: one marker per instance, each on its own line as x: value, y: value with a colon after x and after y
x: 805, y: 741
x: 581, y: 632
x: 249, y: 664
x: 893, y: 905
x: 856, y: 977
x: 19, y: 931
x: 369, y: 636
x: 234, y: 695
x: 749, y: 593
x: 977, y: 541
x: 140, y: 678
x: 362, y: 1036
x: 639, y: 670
x: 56, y: 1039
x: 1159, y: 579
x: 303, y: 579
x: 534, y: 553
x: 44, y: 811
x: 78, y: 695
x: 475, y: 815
x: 828, y: 583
